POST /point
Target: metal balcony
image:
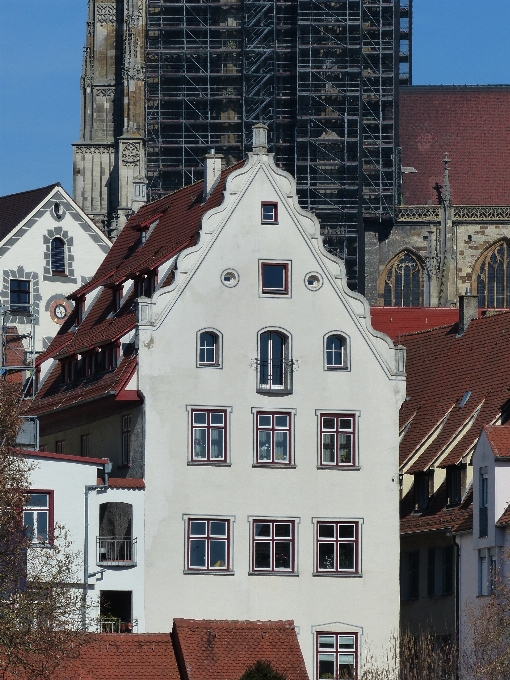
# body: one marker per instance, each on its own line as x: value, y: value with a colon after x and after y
x: 113, y: 551
x: 274, y: 377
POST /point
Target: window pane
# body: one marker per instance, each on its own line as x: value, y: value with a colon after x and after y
x: 326, y: 531
x: 42, y: 526
x: 264, y: 445
x: 197, y: 553
x: 216, y: 443
x: 28, y: 521
x: 328, y: 423
x: 281, y: 421
x: 207, y: 348
x: 326, y: 666
x: 273, y: 276
x: 218, y: 528
x: 218, y: 554
x: 281, y: 446
x: 282, y: 530
x: 346, y: 556
x: 268, y: 213
x: 200, y: 443
x: 216, y: 418
x: 264, y: 421
x: 38, y: 500
x: 262, y: 529
x: 345, y: 448
x: 199, y: 418
x: 333, y: 351
x: 345, y: 424
x: 262, y: 555
x: 198, y: 528
x: 346, y: 666
x: 346, y: 531
x: 282, y: 555
x: 326, y: 556
x: 326, y: 642
x: 328, y: 448
x: 346, y: 642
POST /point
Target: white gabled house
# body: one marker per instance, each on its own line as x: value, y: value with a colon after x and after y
x: 240, y: 376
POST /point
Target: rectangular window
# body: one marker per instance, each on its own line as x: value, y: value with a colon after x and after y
x: 269, y: 212
x: 440, y: 571
x: 84, y: 445
x: 454, y: 484
x: 38, y: 516
x: 421, y: 491
x: 274, y: 278
x: 126, y: 440
x: 19, y: 295
x: 273, y: 546
x: 483, y: 573
x: 337, y: 655
x: 208, y: 435
x: 59, y: 446
x: 410, y: 575
x: 483, y: 516
x: 337, y: 435
x: 208, y: 545
x: 337, y: 547
x: 273, y: 438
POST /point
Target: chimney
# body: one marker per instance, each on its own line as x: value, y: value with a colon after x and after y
x: 260, y: 138
x: 212, y: 171
x: 468, y: 310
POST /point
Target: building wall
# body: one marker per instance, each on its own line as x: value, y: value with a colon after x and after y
x: 233, y: 237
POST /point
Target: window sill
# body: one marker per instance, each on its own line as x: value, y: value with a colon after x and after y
x: 208, y: 463
x: 62, y: 275
x: 337, y: 574
x: 274, y: 393
x: 284, y: 466
x: 346, y: 468
x: 208, y: 572
x: 209, y: 366
x: 269, y: 222
x: 273, y: 573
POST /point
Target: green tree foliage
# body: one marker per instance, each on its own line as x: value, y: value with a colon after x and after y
x: 262, y: 670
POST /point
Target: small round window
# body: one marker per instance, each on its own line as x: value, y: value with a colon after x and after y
x: 58, y: 210
x: 230, y: 278
x: 313, y: 281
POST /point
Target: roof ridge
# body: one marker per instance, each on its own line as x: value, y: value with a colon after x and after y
x: 29, y: 191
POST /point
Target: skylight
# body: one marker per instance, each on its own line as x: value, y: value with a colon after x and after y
x: 464, y: 399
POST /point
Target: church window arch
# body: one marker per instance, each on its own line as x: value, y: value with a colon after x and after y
x: 493, y: 277
x: 403, y: 281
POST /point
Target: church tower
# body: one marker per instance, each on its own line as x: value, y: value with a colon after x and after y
x: 109, y: 158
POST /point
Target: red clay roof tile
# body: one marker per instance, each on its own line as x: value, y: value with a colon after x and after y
x: 499, y: 439
x: 437, y: 517
x: 126, y: 483
x: 397, y: 321
x: 504, y: 520
x: 223, y: 650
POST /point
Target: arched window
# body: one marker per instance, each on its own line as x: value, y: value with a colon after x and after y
x: 403, y: 283
x: 493, y: 280
x: 208, y: 348
x: 335, y: 352
x: 58, y: 259
x: 274, y: 365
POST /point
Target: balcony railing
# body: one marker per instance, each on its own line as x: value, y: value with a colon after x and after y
x: 274, y: 376
x: 113, y: 551
x: 113, y: 625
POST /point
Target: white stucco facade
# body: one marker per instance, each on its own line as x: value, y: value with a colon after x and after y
x: 75, y: 499
x: 25, y: 255
x: 218, y: 286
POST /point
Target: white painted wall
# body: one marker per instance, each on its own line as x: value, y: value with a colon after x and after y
x: 233, y: 237
x: 24, y: 254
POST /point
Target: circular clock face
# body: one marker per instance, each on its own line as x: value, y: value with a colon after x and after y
x: 60, y: 311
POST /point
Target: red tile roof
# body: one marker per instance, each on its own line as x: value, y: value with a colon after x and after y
x: 397, y: 321
x: 123, y: 657
x: 472, y: 124
x: 125, y: 483
x: 504, y: 520
x: 499, y: 439
x: 14, y: 208
x: 442, y: 368
x: 437, y: 517
x: 223, y: 650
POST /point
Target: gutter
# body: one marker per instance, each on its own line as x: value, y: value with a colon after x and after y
x: 107, y: 468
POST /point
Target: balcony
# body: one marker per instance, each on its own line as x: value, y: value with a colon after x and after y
x: 274, y: 377
x: 110, y: 624
x: 113, y: 551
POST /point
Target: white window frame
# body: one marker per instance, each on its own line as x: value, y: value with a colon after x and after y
x: 347, y: 352
x: 288, y: 382
x: 332, y: 631
x: 218, y: 363
x: 273, y: 518
x: 358, y: 572
x: 230, y: 544
x: 288, y: 264
x: 291, y: 412
x: 356, y: 414
x: 190, y: 408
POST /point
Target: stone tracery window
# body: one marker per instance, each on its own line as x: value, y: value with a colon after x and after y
x: 493, y: 280
x: 403, y: 284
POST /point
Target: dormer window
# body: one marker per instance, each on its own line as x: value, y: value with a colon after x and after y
x: 117, y: 298
x: 108, y: 358
x: 421, y: 491
x: 454, y: 485
x: 80, y: 310
x: 68, y: 369
x: 58, y: 259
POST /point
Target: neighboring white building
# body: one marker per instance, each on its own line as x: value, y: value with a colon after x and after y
x: 105, y: 524
x: 48, y: 247
x: 263, y: 413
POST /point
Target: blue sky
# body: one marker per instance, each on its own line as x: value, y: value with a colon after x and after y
x: 455, y: 42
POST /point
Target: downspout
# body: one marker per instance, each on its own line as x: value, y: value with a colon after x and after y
x: 107, y: 468
x: 457, y: 600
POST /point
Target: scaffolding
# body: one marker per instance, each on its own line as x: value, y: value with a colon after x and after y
x: 323, y: 75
